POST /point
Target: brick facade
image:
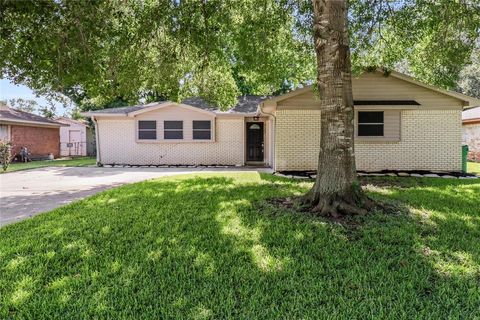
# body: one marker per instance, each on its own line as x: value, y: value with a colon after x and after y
x: 118, y: 145
x: 40, y: 141
x: 297, y: 139
x: 430, y: 140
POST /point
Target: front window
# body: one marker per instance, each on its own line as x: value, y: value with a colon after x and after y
x: 173, y: 130
x: 202, y: 130
x: 147, y: 130
x: 370, y: 123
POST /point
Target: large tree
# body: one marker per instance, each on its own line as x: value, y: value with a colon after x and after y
x: 335, y: 190
x: 127, y: 50
x: 408, y: 29
x: 110, y: 50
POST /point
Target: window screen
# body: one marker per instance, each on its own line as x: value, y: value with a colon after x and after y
x: 202, y: 130
x: 3, y: 132
x: 370, y: 123
x: 173, y: 129
x: 147, y: 130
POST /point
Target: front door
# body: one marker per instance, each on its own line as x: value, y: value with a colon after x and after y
x: 255, y: 141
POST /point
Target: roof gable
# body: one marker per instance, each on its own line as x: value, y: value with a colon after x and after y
x: 69, y: 121
x: 462, y: 97
x: 307, y: 92
x: 246, y: 105
x: 159, y: 106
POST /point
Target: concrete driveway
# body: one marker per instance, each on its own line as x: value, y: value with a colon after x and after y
x: 27, y: 193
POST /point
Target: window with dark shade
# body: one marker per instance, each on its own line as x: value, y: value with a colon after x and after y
x: 147, y: 130
x: 173, y: 130
x: 370, y: 124
x: 202, y: 130
x: 201, y: 125
x: 173, y: 125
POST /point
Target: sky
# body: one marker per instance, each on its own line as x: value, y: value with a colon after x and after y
x: 8, y: 91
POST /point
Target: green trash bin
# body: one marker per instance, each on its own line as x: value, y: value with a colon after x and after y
x: 464, y: 158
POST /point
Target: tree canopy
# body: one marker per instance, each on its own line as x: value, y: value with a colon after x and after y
x: 218, y: 49
x: 469, y: 82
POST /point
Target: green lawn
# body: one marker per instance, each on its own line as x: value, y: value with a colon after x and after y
x: 474, y: 167
x: 76, y: 162
x: 211, y: 247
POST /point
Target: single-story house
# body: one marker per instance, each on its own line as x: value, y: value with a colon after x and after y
x: 471, y: 132
x: 75, y: 138
x: 400, y: 124
x: 40, y: 135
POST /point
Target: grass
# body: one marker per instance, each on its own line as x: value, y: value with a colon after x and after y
x: 76, y: 162
x: 473, y: 167
x: 211, y: 247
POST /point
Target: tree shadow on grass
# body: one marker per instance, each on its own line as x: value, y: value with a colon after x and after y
x: 212, y: 248
x: 448, y: 213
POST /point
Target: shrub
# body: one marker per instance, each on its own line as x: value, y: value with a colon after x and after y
x: 5, y: 153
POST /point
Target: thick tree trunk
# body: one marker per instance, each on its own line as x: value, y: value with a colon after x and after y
x: 336, y: 190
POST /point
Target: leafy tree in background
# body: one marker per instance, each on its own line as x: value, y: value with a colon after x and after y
x: 124, y: 50
x: 112, y: 49
x: 26, y: 105
x: 48, y: 111
x: 469, y: 82
x: 32, y: 106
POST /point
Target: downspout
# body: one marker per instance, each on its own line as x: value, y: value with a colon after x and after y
x: 272, y: 145
x: 97, y: 142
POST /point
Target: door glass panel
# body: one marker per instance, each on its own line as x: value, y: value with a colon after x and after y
x: 254, y: 126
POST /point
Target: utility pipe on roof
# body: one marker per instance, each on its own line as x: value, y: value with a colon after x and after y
x: 97, y: 141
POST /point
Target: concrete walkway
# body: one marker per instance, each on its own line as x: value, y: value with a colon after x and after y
x: 27, y: 193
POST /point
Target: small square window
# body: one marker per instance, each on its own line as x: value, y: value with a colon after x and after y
x: 370, y: 124
x: 173, y: 130
x: 202, y: 130
x: 147, y: 130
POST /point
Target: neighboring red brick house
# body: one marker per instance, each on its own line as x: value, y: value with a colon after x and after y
x: 40, y: 135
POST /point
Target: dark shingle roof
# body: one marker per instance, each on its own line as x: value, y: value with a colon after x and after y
x: 124, y: 110
x: 8, y: 114
x: 246, y: 104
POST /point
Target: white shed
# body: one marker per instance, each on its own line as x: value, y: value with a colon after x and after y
x: 73, y: 138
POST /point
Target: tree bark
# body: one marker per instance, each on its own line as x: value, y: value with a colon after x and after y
x: 336, y: 190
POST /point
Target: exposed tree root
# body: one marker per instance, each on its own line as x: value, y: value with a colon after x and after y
x: 348, y: 203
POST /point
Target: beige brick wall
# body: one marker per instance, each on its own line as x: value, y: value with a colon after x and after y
x: 430, y: 140
x: 118, y: 146
x: 297, y: 139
